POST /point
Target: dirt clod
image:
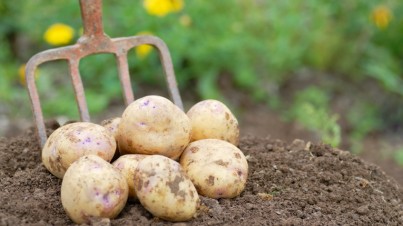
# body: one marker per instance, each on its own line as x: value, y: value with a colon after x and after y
x: 288, y: 184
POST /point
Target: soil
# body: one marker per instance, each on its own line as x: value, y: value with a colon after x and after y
x: 290, y: 183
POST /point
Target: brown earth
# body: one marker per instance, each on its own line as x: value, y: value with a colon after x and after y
x: 298, y: 183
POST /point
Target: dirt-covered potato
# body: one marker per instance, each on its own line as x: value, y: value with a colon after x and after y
x: 164, y: 190
x: 154, y: 125
x: 69, y: 142
x: 112, y: 125
x: 218, y: 169
x: 127, y: 165
x: 211, y: 119
x: 92, y: 187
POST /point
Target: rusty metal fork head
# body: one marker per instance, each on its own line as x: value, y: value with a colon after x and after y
x: 94, y: 41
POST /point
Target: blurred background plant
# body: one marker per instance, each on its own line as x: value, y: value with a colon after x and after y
x: 333, y: 66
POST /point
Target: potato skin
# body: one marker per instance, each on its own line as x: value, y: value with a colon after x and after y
x: 112, y: 125
x: 211, y: 119
x: 164, y: 189
x: 218, y: 169
x: 69, y: 142
x: 154, y: 125
x: 92, y: 187
x: 127, y: 165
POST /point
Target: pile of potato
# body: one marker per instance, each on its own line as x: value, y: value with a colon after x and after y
x: 165, y: 158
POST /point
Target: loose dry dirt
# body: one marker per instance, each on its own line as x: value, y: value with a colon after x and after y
x: 289, y: 184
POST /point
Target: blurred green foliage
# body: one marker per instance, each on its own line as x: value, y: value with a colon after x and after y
x: 399, y: 157
x: 310, y: 108
x: 356, y: 45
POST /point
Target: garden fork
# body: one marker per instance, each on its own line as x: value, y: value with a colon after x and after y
x: 94, y: 41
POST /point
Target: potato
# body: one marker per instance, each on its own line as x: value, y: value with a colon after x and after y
x: 127, y: 165
x: 92, y: 187
x: 211, y: 119
x: 218, y: 169
x: 112, y: 125
x: 154, y: 125
x: 164, y: 190
x: 69, y: 142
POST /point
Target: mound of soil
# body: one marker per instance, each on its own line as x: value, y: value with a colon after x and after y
x: 289, y: 184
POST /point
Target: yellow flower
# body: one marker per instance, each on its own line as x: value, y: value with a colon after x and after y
x: 21, y: 74
x: 177, y: 5
x: 59, y: 34
x: 162, y: 7
x: 381, y: 16
x: 142, y: 51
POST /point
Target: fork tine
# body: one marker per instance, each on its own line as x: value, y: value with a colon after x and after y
x: 30, y: 69
x: 165, y: 58
x: 123, y: 68
x: 169, y: 72
x: 79, y: 90
x: 34, y: 98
